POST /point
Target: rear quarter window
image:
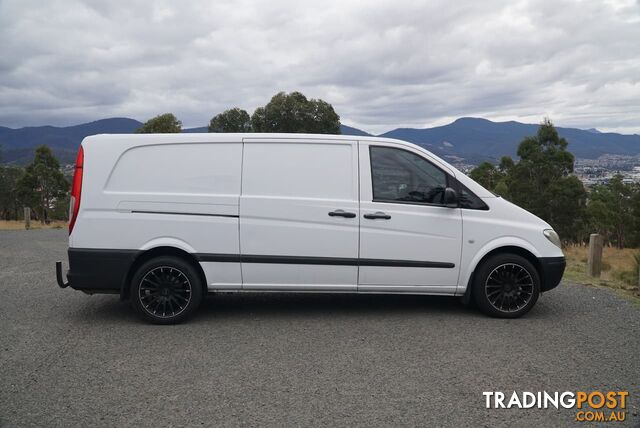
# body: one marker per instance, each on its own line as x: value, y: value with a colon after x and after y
x: 208, y: 168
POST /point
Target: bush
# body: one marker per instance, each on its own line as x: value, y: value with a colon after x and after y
x: 628, y: 277
x: 631, y: 276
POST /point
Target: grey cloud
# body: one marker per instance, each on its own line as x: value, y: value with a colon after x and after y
x: 381, y: 64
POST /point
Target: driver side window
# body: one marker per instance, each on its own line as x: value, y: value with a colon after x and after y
x: 401, y: 176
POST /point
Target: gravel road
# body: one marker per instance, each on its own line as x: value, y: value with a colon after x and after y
x: 68, y: 359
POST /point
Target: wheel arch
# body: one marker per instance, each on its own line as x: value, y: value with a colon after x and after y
x: 152, y: 253
x: 504, y: 249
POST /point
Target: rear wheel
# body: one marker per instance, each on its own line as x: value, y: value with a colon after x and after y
x: 166, y: 290
x: 506, y: 286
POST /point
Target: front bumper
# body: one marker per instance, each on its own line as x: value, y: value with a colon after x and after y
x: 552, y: 269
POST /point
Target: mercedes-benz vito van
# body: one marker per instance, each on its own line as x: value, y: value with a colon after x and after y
x: 164, y: 219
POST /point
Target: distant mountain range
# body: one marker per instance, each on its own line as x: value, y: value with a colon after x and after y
x: 471, y: 140
x: 476, y: 139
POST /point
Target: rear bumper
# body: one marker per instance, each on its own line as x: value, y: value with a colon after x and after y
x: 96, y: 270
x: 552, y: 269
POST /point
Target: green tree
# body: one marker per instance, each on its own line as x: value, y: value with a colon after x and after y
x: 163, y: 124
x: 541, y: 182
x: 295, y: 113
x: 10, y: 204
x: 567, y: 208
x: 487, y: 175
x: 494, y: 178
x: 599, y: 212
x: 612, y: 211
x: 43, y: 185
x: 232, y: 120
x: 634, y: 236
x: 506, y: 165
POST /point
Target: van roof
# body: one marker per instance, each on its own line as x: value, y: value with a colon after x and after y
x: 231, y: 137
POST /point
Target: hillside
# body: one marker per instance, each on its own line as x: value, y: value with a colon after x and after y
x: 479, y: 139
x: 17, y: 144
x: 348, y: 130
x: 471, y: 139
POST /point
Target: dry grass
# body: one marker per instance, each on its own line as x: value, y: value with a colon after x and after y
x: 619, y: 269
x: 19, y: 225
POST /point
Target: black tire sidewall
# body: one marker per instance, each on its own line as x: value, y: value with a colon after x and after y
x: 479, y: 295
x: 185, y: 267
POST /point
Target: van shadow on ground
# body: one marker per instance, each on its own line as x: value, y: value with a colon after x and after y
x: 297, y: 305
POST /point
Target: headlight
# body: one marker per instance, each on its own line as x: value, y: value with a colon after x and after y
x: 553, y: 237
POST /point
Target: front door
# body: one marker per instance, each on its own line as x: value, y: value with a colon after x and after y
x: 299, y: 214
x: 409, y: 241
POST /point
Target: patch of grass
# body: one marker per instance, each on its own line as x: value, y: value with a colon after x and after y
x: 19, y: 225
x: 619, y: 269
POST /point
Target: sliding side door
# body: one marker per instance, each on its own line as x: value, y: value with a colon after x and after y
x: 299, y: 214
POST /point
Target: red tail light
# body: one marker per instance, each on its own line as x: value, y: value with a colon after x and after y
x: 76, y: 190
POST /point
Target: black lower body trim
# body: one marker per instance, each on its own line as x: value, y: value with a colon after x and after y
x: 105, y: 271
x: 552, y: 271
x: 99, y: 270
x: 329, y: 261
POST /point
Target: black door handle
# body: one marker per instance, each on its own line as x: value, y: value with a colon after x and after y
x: 341, y: 213
x: 378, y: 215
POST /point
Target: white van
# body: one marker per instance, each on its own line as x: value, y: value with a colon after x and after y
x: 163, y: 219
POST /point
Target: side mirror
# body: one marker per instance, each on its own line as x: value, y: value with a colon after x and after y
x: 451, y: 198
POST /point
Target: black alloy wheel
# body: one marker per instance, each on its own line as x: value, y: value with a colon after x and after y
x: 509, y: 287
x: 506, y: 286
x: 166, y: 290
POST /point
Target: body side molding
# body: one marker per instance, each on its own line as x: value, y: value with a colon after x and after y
x: 306, y: 260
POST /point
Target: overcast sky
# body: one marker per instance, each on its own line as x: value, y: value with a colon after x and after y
x: 382, y: 64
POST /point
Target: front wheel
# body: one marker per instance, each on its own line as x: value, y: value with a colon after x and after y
x: 166, y: 290
x: 506, y: 286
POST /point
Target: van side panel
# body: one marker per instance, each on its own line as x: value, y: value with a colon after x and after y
x: 182, y: 195
x: 288, y: 238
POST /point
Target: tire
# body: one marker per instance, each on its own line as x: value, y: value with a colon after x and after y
x: 506, y: 286
x: 166, y: 290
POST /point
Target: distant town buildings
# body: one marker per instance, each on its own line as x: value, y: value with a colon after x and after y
x: 601, y: 170
x: 589, y: 171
